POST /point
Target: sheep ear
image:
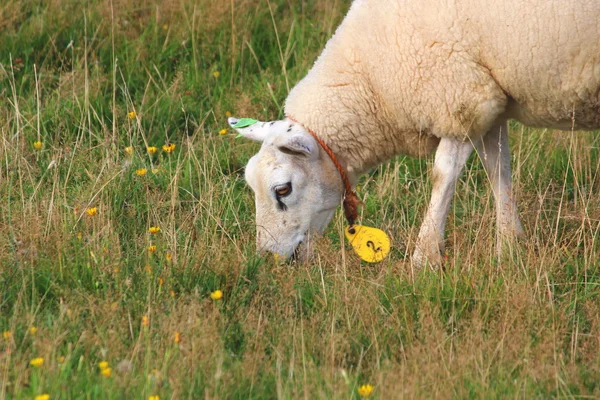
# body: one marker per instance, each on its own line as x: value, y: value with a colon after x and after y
x: 297, y: 144
x: 250, y: 128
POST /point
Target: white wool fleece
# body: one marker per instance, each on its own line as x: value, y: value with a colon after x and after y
x: 399, y: 75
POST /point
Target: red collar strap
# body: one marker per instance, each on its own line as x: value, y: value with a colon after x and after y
x: 351, y: 200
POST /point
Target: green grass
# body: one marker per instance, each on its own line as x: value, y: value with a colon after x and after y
x: 525, y: 325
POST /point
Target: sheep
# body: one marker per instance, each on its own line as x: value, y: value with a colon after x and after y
x: 411, y: 77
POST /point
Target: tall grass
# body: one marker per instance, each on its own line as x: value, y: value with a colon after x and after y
x: 98, y: 82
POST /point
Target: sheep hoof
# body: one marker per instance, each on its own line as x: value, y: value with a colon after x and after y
x: 431, y: 254
x: 509, y: 243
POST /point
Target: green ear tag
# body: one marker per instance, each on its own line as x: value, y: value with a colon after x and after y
x: 244, y: 122
x: 371, y: 244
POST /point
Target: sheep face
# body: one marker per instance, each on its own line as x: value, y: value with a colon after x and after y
x: 297, y: 189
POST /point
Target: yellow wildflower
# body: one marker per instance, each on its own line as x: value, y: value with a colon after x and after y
x: 79, y: 235
x: 131, y: 115
x: 129, y: 150
x: 228, y: 114
x: 145, y: 320
x: 6, y: 335
x: 177, y: 337
x: 156, y: 377
x: 33, y: 330
x: 172, y: 293
x: 168, y: 148
x: 37, y: 145
x: 216, y: 295
x: 154, y: 397
x: 141, y: 172
x: 44, y: 396
x: 365, y: 390
x: 154, y: 229
x: 169, y: 257
x: 37, y: 362
x: 106, y: 372
x: 161, y: 281
x: 165, y: 27
x: 91, y: 211
x: 151, y: 149
x: 103, y: 365
x: 155, y: 170
x: 223, y: 132
x: 216, y: 74
x: 152, y: 249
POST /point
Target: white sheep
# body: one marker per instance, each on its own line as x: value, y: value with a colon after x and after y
x: 407, y: 77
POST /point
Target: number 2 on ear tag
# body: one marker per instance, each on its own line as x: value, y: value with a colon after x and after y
x: 371, y: 244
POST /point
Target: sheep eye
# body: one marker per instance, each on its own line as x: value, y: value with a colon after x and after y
x: 283, y: 190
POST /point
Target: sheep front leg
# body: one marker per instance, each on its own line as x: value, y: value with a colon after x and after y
x: 495, y: 154
x: 450, y: 159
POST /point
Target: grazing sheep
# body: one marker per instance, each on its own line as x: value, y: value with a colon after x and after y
x: 407, y: 77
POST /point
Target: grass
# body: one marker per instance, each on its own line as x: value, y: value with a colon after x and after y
x: 525, y: 325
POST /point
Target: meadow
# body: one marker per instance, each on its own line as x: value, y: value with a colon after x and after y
x: 127, y: 257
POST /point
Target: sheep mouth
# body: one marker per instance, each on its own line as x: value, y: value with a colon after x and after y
x: 297, y: 253
x: 301, y: 252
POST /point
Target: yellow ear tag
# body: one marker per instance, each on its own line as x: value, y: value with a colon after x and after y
x: 371, y: 244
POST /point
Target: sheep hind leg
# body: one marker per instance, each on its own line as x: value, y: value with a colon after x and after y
x: 495, y: 155
x: 450, y: 158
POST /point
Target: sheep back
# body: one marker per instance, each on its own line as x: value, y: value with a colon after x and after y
x: 399, y: 75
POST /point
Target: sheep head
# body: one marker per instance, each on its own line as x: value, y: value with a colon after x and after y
x: 296, y: 187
